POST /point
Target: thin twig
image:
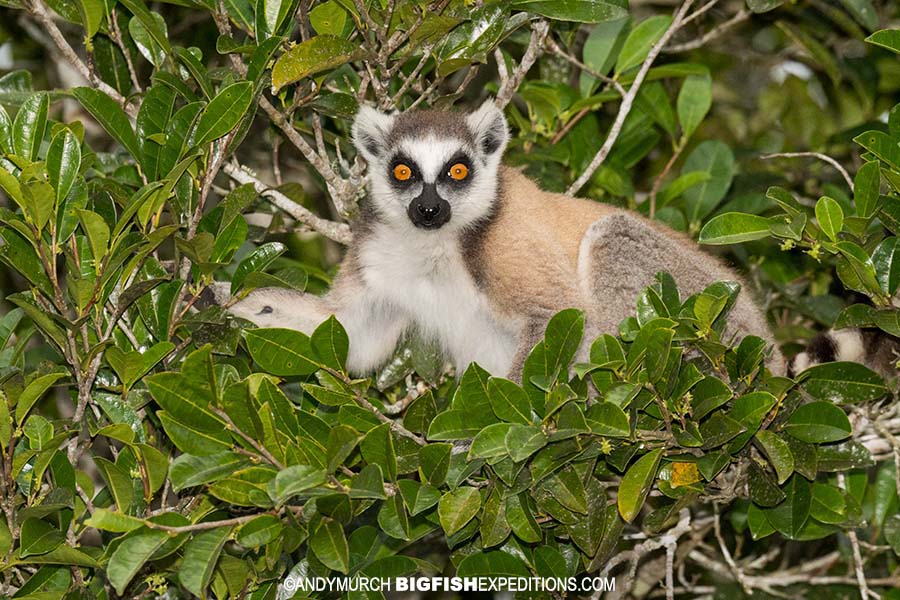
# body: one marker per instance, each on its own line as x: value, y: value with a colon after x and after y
x: 700, y: 11
x: 555, y: 49
x: 864, y: 591
x: 339, y: 232
x: 628, y: 99
x: 43, y: 16
x: 511, y: 83
x: 818, y: 155
x: 716, y: 32
x: 726, y: 554
x: 117, y: 38
x: 658, y: 183
x: 206, y: 525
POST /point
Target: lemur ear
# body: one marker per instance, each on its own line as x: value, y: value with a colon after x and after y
x: 488, y: 125
x: 370, y: 131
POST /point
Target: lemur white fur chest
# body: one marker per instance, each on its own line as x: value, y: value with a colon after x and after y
x: 427, y: 281
x: 477, y: 256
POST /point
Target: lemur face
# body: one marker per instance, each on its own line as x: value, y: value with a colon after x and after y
x: 432, y: 170
x: 269, y: 307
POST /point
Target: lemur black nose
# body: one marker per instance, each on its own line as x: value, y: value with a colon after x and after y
x: 428, y: 212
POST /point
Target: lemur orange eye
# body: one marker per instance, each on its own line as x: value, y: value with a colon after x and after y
x: 459, y: 171
x: 402, y: 172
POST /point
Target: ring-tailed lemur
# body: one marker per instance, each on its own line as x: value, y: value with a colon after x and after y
x: 873, y: 348
x: 478, y: 257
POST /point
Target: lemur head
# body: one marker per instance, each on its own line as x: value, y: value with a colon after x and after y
x: 270, y: 307
x: 432, y: 169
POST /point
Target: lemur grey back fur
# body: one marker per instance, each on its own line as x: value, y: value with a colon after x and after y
x: 478, y: 257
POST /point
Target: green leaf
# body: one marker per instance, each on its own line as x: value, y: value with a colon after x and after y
x: 607, y: 419
x: 92, y: 16
x: 97, y: 233
x: 567, y: 488
x: 6, y: 133
x: 259, y: 531
x: 881, y: 145
x: 472, y: 40
x: 201, y: 554
x: 524, y: 440
x: 457, y: 508
x: 830, y: 217
x: 581, y: 11
x: 843, y: 383
x: 694, y: 101
x: 778, y: 453
x: 509, y: 401
x: 494, y: 527
x: 717, y: 159
x: 886, y: 38
x: 131, y: 554
x: 819, y: 423
x: 828, y: 504
x: 257, y: 260
x: 116, y: 522
x: 886, y: 260
x: 857, y: 271
x: 118, y: 481
x: 638, y: 43
x: 110, y: 116
x: 329, y: 544
x: 331, y: 343
x: 718, y: 429
x: 188, y: 471
x: 38, y: 537
x: 150, y: 23
x: 320, y: 53
x: 132, y: 366
x: 458, y: 424
x: 434, y: 463
x: 521, y: 519
x: 370, y: 484
x: 224, y: 112
x: 866, y: 189
x: 601, y: 49
x: 144, y: 39
x: 293, y: 480
x: 33, y: 392
x: 791, y: 515
x: 636, y: 484
x: 378, y: 448
x: 709, y: 394
x: 733, y: 228
x: 892, y: 532
x: 29, y: 126
x: 490, y: 441
x: 63, y: 162
x: 281, y: 351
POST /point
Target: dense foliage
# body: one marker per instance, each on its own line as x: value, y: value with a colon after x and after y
x: 151, y: 445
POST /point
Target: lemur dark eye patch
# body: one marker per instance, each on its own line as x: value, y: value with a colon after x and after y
x: 458, y: 169
x: 403, y: 170
x: 266, y: 310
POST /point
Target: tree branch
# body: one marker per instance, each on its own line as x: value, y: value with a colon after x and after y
x: 628, y: 99
x: 717, y: 31
x: 339, y: 232
x: 818, y: 155
x: 43, y: 16
x: 511, y: 82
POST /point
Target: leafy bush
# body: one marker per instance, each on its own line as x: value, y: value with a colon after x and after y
x: 150, y: 446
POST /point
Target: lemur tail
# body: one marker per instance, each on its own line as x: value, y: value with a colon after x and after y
x: 873, y: 348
